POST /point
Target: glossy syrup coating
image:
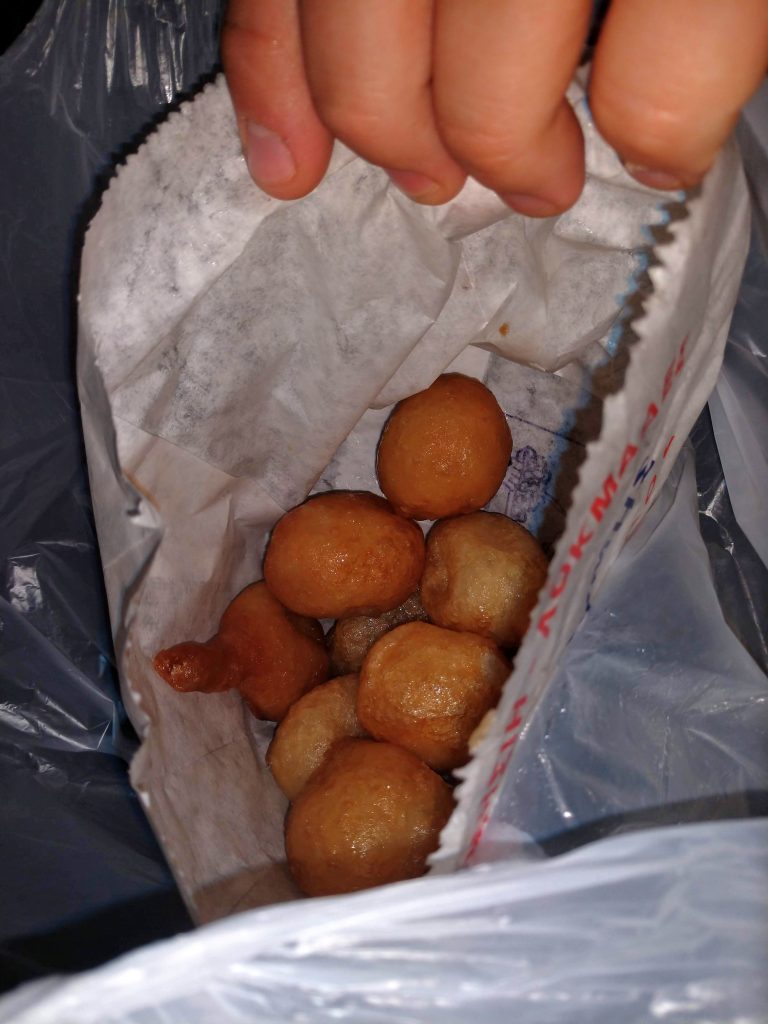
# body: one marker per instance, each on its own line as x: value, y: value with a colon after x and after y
x: 371, y: 814
x: 483, y: 575
x: 444, y: 451
x: 270, y: 654
x: 313, y: 724
x: 350, y: 639
x: 343, y: 553
x: 191, y: 667
x: 427, y: 688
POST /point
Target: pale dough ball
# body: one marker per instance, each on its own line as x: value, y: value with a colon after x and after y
x: 343, y: 553
x: 445, y: 450
x: 483, y: 575
x: 371, y: 814
x: 313, y: 724
x: 427, y: 688
x: 350, y: 639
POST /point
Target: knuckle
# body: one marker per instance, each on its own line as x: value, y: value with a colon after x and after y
x: 248, y: 46
x: 258, y: 40
x: 645, y: 130
x: 490, y: 151
x: 359, y: 121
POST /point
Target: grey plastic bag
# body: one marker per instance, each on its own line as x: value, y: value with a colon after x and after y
x: 83, y: 877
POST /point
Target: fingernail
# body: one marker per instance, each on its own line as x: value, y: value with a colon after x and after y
x: 531, y: 206
x: 415, y: 185
x: 665, y: 181
x: 270, y: 162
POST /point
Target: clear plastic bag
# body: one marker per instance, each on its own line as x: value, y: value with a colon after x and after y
x: 668, y: 924
x: 657, y: 715
x: 739, y: 404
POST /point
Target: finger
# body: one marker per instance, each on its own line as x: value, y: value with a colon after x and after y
x: 369, y: 68
x: 285, y: 144
x: 669, y: 78
x: 501, y: 68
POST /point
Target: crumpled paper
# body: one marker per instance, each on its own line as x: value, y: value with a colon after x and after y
x: 236, y: 352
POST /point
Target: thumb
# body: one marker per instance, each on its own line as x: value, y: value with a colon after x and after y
x: 285, y: 144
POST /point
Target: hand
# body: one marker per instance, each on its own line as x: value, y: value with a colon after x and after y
x: 435, y: 90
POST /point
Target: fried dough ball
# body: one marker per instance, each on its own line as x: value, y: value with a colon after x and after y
x: 427, y: 688
x: 350, y: 639
x: 483, y: 575
x: 444, y: 451
x: 313, y: 724
x: 270, y: 654
x: 371, y: 814
x: 343, y: 553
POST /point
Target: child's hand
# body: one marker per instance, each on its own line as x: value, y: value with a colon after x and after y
x: 434, y: 90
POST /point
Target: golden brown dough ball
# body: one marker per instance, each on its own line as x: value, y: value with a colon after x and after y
x: 371, y: 814
x: 313, y: 724
x: 350, y: 639
x: 427, y: 688
x: 343, y: 553
x: 483, y: 575
x: 445, y: 450
x: 271, y: 655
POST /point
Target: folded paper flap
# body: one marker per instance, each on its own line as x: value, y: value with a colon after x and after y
x: 208, y: 234
x: 243, y: 345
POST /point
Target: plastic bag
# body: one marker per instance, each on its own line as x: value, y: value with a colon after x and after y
x: 740, y: 576
x: 653, y: 677
x: 668, y: 924
x: 717, y: 968
x: 730, y: 439
x: 82, y: 876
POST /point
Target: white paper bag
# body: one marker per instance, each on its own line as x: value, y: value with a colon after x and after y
x: 236, y: 352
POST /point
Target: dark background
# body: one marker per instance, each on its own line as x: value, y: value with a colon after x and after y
x: 14, y: 18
